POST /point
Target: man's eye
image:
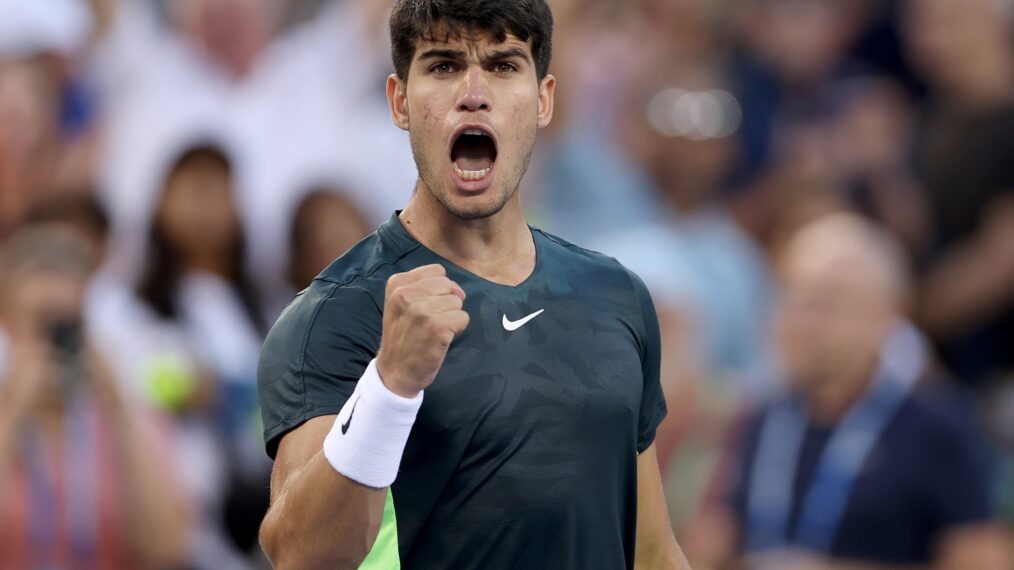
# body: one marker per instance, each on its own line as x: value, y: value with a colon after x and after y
x: 505, y: 68
x: 442, y: 68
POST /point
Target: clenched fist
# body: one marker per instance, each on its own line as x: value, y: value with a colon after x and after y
x: 422, y: 315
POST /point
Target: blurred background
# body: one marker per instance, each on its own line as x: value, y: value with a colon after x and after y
x: 819, y: 193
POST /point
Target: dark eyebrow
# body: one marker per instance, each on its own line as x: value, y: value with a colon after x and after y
x: 443, y: 54
x: 508, y: 54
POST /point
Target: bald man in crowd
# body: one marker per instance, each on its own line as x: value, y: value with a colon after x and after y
x: 865, y: 461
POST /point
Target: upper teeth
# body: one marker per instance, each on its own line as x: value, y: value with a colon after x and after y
x: 475, y: 132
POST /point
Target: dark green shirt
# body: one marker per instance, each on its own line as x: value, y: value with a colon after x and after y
x: 524, y: 453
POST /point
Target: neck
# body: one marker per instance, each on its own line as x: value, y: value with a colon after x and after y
x: 205, y: 262
x: 498, y: 248
x: 831, y: 398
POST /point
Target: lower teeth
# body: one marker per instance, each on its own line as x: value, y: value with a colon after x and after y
x: 471, y: 174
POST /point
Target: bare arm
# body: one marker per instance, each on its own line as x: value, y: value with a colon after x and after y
x: 158, y: 521
x: 318, y: 517
x: 656, y: 547
x: 978, y: 547
x: 951, y: 301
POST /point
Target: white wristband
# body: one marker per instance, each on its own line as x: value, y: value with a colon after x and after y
x: 368, y: 438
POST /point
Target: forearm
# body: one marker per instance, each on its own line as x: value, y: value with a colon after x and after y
x: 665, y: 555
x: 951, y: 301
x: 322, y: 519
x: 157, y: 519
x: 656, y: 547
x: 984, y: 546
x: 331, y: 476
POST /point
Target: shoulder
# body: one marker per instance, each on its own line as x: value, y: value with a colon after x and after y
x: 943, y: 409
x: 316, y: 304
x: 606, y: 269
x: 937, y: 425
x: 369, y: 263
x: 342, y: 305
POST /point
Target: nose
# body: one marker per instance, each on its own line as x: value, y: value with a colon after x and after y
x: 475, y: 96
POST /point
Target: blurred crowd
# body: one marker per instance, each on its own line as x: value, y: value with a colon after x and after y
x: 819, y: 194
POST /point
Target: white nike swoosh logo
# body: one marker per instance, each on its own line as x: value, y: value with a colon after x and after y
x: 515, y: 325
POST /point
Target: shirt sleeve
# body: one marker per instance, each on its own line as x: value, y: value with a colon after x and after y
x: 314, y: 355
x: 653, y: 407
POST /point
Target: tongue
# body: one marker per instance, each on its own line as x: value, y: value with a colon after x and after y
x: 473, y: 153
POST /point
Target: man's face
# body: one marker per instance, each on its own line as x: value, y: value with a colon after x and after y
x: 472, y: 107
x: 232, y: 32
x: 832, y: 317
x: 39, y: 297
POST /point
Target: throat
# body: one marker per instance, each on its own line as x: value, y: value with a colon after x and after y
x: 500, y: 250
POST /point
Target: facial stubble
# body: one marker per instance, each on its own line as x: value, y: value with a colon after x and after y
x: 431, y: 181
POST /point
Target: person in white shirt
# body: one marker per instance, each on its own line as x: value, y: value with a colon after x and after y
x: 279, y: 97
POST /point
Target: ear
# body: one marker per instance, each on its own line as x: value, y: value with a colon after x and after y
x: 397, y: 100
x: 547, y: 91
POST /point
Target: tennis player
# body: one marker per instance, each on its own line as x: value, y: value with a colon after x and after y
x: 461, y: 390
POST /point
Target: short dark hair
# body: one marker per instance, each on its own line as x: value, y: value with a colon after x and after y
x: 440, y: 20
x: 206, y: 152
x: 164, y: 272
x: 81, y: 210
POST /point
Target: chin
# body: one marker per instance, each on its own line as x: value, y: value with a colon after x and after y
x: 473, y: 211
x: 488, y: 204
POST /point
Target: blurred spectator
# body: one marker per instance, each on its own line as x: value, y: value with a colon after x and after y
x: 283, y: 98
x: 961, y: 49
x: 789, y: 60
x: 326, y: 224
x: 30, y: 148
x: 872, y: 137
x: 709, y: 280
x: 856, y: 156
x: 195, y: 273
x: 578, y: 185
x: 44, y: 148
x: 967, y: 301
x: 680, y: 130
x: 197, y: 333
x: 868, y: 458
x: 964, y: 52
x: 82, y: 479
x: 688, y: 29
x: 81, y: 214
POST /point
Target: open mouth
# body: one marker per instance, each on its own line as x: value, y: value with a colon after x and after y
x: 473, y: 154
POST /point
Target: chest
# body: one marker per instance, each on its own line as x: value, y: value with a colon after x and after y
x: 555, y: 367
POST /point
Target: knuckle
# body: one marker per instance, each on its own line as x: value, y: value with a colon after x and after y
x: 397, y: 296
x: 417, y: 310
